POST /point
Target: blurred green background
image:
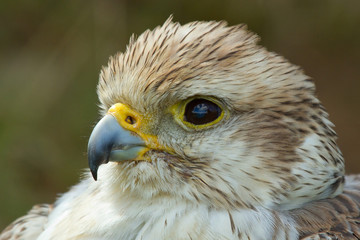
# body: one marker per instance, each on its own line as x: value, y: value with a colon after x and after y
x: 51, y: 53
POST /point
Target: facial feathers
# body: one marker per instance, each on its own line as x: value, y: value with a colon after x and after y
x: 275, y: 148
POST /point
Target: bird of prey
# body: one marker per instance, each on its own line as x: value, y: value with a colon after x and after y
x: 204, y: 135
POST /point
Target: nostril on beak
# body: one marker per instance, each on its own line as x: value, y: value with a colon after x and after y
x: 130, y: 120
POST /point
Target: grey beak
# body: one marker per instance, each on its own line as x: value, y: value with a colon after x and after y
x: 110, y: 142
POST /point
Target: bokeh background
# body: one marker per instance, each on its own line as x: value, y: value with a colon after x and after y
x: 51, y: 53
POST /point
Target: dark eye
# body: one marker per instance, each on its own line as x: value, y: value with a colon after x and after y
x: 201, y: 111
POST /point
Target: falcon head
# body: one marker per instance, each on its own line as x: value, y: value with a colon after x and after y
x: 203, y: 114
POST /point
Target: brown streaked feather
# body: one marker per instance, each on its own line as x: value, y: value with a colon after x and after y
x: 29, y: 226
x: 336, y: 218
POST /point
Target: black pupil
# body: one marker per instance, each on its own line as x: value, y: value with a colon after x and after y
x: 201, y: 111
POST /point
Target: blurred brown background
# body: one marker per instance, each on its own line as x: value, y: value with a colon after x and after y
x: 51, y: 53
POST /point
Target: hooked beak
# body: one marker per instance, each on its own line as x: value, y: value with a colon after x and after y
x: 111, y: 142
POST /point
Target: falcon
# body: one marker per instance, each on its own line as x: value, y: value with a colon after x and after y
x: 204, y: 135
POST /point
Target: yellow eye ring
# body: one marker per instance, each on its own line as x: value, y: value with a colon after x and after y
x: 198, y: 112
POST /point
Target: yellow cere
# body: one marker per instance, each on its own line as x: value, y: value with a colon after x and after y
x: 178, y: 111
x: 133, y: 121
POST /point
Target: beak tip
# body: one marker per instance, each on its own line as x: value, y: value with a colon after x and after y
x: 94, y: 174
x: 93, y: 169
